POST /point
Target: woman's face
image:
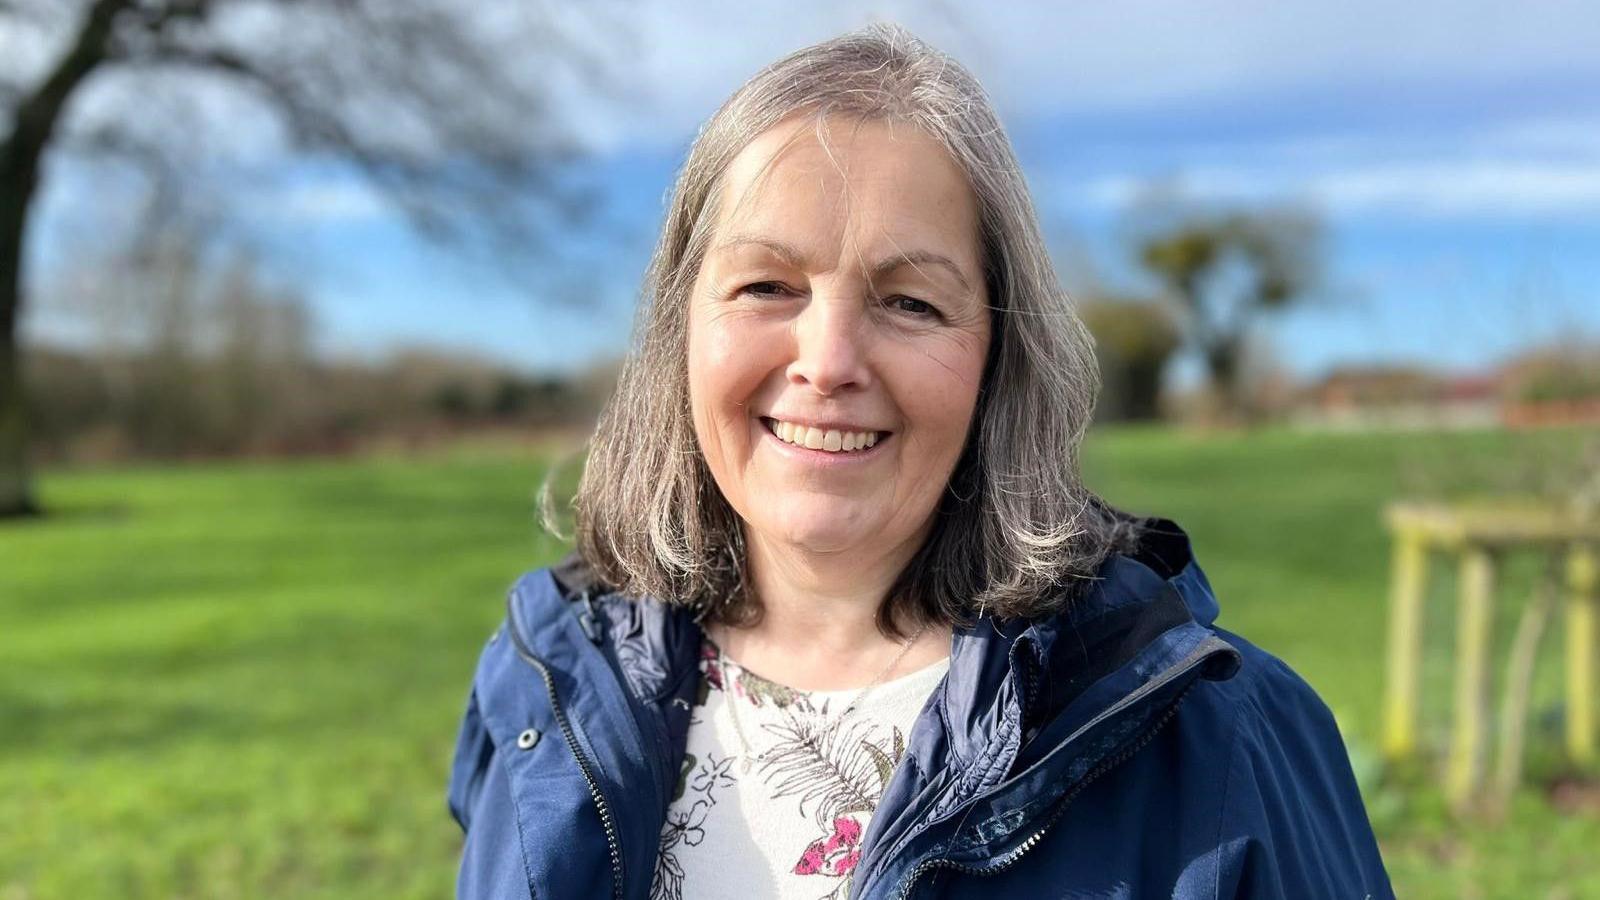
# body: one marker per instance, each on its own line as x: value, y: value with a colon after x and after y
x: 837, y: 335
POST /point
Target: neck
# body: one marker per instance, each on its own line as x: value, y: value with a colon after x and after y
x: 818, y: 629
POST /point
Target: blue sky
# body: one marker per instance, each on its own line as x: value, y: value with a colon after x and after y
x: 1452, y: 148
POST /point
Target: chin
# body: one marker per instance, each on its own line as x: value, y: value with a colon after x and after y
x: 822, y: 532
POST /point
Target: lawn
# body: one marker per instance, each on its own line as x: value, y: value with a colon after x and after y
x: 243, y: 680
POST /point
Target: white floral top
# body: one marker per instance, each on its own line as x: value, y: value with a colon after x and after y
x: 790, y: 825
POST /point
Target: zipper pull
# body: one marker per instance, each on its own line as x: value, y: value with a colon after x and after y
x: 586, y: 619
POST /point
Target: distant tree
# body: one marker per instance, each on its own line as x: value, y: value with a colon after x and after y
x: 191, y: 355
x: 446, y: 106
x: 1134, y: 340
x: 1223, y: 272
x: 1566, y: 371
x: 455, y: 401
x: 511, y: 396
x: 169, y: 291
x: 262, y: 356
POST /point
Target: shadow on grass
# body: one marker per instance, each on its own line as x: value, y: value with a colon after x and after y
x: 68, y: 514
x: 109, y: 727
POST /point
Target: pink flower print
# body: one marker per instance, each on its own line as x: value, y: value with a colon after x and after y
x: 708, y: 655
x: 836, y: 854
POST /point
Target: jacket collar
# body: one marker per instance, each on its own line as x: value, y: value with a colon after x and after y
x: 1134, y: 597
x: 1032, y: 709
x: 1027, y: 708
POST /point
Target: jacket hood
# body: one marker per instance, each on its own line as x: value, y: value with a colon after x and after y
x: 1027, y: 710
x: 1031, y: 709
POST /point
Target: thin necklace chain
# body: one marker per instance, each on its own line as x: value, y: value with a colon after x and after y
x: 745, y: 755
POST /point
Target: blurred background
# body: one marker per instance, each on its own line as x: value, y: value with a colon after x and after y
x: 302, y: 300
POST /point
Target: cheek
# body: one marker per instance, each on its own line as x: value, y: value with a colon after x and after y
x: 704, y: 390
x: 725, y: 370
x: 940, y: 390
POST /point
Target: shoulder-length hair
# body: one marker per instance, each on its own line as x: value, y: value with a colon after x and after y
x: 1015, y: 526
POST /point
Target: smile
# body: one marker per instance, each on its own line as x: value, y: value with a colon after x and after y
x: 828, y: 440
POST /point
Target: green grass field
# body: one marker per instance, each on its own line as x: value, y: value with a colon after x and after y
x: 244, y: 680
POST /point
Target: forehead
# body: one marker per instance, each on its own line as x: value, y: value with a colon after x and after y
x: 869, y: 183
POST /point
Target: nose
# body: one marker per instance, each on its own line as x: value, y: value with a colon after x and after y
x: 830, y: 352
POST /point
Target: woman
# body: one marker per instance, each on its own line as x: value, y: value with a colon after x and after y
x: 843, y: 620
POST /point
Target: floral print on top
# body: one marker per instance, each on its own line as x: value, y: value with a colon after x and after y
x: 789, y: 826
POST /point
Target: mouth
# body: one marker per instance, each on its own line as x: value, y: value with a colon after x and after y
x: 839, y: 441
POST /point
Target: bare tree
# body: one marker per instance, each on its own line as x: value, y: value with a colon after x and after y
x: 447, y: 107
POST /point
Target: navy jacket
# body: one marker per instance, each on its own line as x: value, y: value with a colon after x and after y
x: 1123, y: 748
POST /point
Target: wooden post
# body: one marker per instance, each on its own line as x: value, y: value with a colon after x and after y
x: 1408, y: 581
x: 1519, y: 686
x: 1582, y: 578
x: 1473, y: 640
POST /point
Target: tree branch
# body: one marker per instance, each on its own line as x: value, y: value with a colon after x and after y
x: 116, y: 143
x: 446, y: 162
x: 39, y: 113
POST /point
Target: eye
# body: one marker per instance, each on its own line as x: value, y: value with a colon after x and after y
x: 912, y: 306
x: 763, y: 289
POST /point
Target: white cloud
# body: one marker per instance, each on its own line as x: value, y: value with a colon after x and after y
x: 1464, y: 189
x: 325, y: 202
x: 1577, y: 135
x: 1085, y: 57
x: 1436, y: 189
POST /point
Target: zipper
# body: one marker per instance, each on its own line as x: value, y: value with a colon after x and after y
x: 1028, y: 693
x: 1033, y: 840
x: 613, y: 843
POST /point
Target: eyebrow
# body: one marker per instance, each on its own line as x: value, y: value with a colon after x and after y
x: 791, y: 254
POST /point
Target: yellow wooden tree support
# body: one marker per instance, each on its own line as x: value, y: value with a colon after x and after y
x: 1583, y: 581
x: 1407, y: 587
x: 1474, y: 633
x: 1480, y: 537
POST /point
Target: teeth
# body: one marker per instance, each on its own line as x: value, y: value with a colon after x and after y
x: 832, y: 441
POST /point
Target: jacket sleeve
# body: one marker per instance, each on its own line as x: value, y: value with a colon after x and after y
x: 1293, y: 824
x: 479, y: 797
x: 474, y: 753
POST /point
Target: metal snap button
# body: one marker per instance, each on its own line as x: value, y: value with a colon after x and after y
x: 527, y: 739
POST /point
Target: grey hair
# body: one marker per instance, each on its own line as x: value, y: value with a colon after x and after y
x: 1015, y: 530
